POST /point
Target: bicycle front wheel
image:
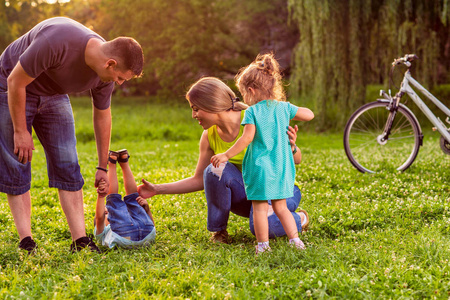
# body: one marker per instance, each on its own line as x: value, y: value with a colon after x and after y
x: 364, y: 144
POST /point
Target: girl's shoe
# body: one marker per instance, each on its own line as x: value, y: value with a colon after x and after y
x: 262, y: 248
x: 298, y: 244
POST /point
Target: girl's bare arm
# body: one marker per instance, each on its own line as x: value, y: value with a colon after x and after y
x: 304, y: 114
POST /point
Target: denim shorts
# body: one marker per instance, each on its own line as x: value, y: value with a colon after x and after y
x: 127, y: 218
x: 52, y: 119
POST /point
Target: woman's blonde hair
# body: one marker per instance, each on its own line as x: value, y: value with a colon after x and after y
x: 212, y: 95
x: 264, y: 77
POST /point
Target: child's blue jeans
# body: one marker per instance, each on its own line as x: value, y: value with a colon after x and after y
x: 127, y: 218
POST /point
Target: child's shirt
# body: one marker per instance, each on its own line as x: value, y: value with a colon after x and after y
x: 268, y: 167
x: 110, y: 239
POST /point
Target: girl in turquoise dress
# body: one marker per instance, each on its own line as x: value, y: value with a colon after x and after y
x: 268, y: 167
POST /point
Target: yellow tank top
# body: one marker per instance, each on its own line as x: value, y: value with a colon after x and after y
x: 220, y: 146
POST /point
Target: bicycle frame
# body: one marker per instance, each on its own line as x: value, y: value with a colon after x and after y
x: 406, y: 88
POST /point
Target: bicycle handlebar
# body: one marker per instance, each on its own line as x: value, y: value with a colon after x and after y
x: 406, y: 60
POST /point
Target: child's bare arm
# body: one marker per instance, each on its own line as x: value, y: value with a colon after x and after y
x: 304, y: 114
x: 100, y: 210
x: 239, y: 146
x: 143, y: 202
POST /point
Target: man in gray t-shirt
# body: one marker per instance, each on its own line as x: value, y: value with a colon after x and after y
x: 57, y: 57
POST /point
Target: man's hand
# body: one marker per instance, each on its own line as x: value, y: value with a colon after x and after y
x: 23, y: 141
x: 147, y: 189
x: 101, y: 183
x: 23, y: 146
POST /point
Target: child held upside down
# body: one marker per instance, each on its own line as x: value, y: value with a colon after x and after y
x: 127, y: 223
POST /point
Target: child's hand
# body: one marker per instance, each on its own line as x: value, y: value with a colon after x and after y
x: 142, y: 201
x: 217, y: 159
x: 102, y: 187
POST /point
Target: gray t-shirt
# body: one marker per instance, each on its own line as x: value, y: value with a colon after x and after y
x: 53, y: 53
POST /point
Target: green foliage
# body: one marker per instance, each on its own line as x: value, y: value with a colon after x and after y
x: 185, y: 40
x: 346, y: 45
x: 383, y: 236
x: 169, y: 121
x: 182, y: 40
x: 340, y: 47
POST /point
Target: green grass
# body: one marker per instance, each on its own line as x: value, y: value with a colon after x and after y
x: 371, y: 236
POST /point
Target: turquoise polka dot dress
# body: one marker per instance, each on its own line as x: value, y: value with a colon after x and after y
x: 268, y: 168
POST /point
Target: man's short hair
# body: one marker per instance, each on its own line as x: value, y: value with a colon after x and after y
x: 126, y: 51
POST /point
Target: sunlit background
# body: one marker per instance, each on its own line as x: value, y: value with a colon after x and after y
x: 35, y: 3
x: 332, y: 53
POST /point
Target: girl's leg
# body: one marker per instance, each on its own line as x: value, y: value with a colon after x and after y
x: 260, y: 219
x: 286, y: 218
x: 128, y: 178
x: 275, y: 227
x: 288, y: 222
x: 112, y: 175
x: 261, y: 225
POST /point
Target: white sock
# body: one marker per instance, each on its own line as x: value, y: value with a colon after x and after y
x: 297, y: 242
x: 263, y: 246
x: 294, y: 240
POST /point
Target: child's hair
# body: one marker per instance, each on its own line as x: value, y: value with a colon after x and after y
x: 263, y: 76
x: 212, y: 95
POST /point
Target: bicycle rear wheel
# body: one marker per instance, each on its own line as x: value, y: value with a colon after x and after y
x: 363, y: 139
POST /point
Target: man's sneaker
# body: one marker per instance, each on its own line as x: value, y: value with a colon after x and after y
x: 28, y: 244
x: 220, y: 237
x: 84, y: 242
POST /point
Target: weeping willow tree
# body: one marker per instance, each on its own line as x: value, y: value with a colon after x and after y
x: 345, y: 45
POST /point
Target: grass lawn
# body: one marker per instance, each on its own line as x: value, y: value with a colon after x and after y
x: 371, y: 236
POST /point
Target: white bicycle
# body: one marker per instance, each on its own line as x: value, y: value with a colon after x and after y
x: 385, y: 134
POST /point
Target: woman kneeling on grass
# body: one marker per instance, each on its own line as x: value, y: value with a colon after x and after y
x: 220, y: 113
x: 127, y: 223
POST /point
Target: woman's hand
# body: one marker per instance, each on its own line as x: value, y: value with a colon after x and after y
x: 147, y: 189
